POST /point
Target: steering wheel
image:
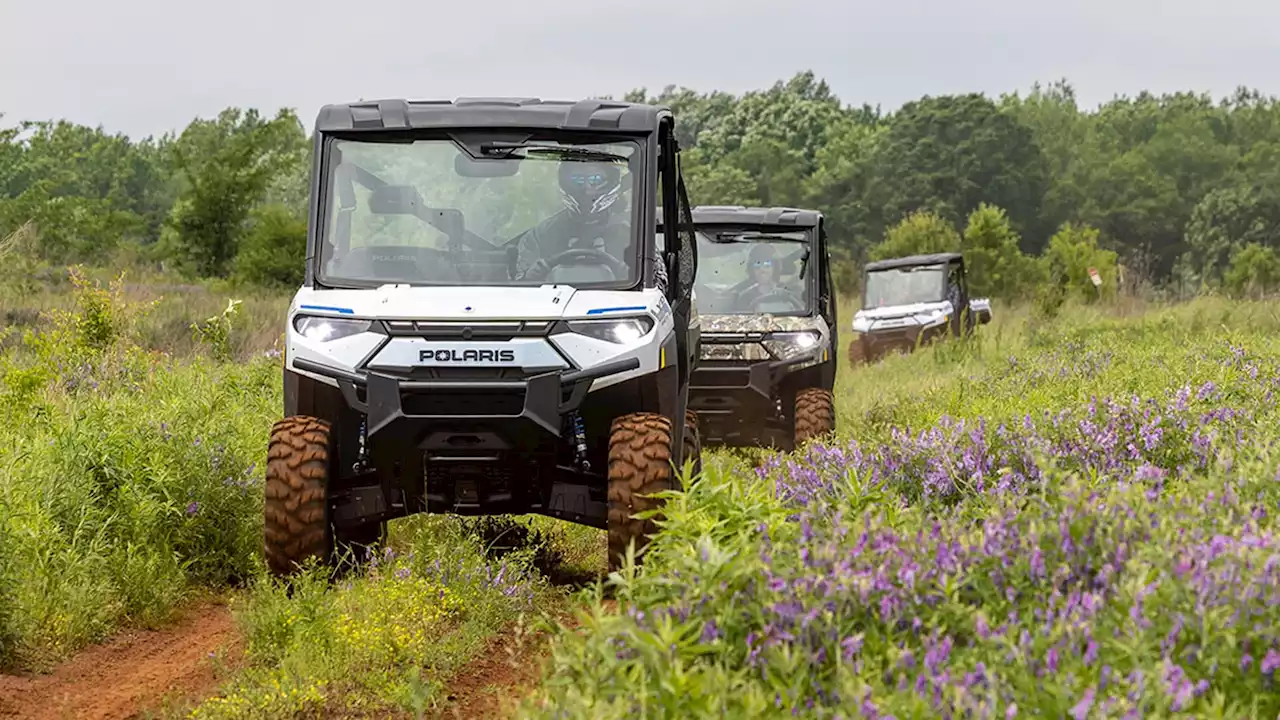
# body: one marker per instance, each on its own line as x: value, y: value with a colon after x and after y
x: 618, y: 267
x: 783, y: 295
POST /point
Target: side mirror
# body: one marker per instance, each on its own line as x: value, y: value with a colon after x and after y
x: 981, y: 311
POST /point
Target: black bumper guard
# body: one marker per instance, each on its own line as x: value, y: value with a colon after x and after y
x: 762, y: 378
x: 544, y: 401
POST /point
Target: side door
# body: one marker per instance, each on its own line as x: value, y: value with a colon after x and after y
x: 680, y: 251
x: 827, y: 301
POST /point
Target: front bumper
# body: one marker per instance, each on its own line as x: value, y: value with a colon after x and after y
x: 738, y: 392
x: 466, y: 414
x: 879, y: 343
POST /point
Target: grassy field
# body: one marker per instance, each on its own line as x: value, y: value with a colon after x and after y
x: 1066, y: 517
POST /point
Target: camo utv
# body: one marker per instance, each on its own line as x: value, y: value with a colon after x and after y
x: 768, y: 313
x: 908, y: 302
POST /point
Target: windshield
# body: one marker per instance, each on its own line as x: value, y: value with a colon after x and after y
x: 747, y: 273
x: 904, y: 286
x: 433, y: 212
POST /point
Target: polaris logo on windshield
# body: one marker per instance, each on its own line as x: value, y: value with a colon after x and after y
x: 469, y: 355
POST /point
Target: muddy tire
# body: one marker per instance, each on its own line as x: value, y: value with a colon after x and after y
x: 815, y: 414
x: 857, y: 354
x: 692, y: 442
x: 296, y: 509
x: 639, y: 465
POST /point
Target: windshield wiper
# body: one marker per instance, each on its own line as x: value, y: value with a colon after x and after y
x: 804, y: 262
x: 508, y: 148
x: 735, y: 237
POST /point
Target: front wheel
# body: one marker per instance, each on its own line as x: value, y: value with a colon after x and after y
x: 639, y: 465
x: 296, y: 519
x: 296, y: 508
x: 857, y: 353
x: 692, y: 443
x: 815, y: 415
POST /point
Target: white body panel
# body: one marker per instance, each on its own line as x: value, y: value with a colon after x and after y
x: 480, y: 305
x: 923, y: 315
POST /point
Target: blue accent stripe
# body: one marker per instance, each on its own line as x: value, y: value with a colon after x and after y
x: 631, y: 308
x: 344, y: 311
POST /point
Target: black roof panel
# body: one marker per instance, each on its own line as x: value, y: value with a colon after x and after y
x: 400, y: 114
x: 913, y: 260
x: 799, y: 218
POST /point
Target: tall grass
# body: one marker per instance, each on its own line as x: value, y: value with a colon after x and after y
x: 1069, y: 520
x: 126, y: 479
x: 131, y: 481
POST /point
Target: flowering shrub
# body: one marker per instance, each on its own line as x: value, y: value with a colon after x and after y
x: 1112, y: 557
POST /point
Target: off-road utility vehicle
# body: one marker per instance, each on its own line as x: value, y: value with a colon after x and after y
x: 768, y: 312
x: 910, y: 301
x: 486, y: 325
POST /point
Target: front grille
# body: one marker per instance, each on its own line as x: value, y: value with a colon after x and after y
x: 726, y: 377
x: 447, y: 402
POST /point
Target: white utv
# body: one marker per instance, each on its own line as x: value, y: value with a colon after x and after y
x: 908, y: 302
x: 486, y: 325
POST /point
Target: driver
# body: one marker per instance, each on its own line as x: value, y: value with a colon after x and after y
x: 763, y: 261
x: 592, y: 218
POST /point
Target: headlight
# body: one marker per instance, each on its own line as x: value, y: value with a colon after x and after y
x: 937, y: 317
x: 787, y: 345
x: 324, y: 329
x: 621, y: 331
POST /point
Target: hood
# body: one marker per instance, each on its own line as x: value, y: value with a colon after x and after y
x: 534, y: 303
x: 897, y: 311
x: 888, y: 318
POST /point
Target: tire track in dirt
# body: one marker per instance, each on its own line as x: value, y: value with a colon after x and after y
x: 496, y: 682
x: 130, y: 674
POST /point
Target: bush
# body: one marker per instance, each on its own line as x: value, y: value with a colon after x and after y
x: 918, y: 233
x: 273, y: 253
x: 1254, y: 272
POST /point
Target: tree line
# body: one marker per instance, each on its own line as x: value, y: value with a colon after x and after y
x: 1176, y: 190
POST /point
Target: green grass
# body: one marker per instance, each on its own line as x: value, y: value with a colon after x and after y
x: 131, y: 482
x: 1104, y: 483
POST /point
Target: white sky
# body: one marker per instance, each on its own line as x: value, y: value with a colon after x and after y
x: 148, y: 66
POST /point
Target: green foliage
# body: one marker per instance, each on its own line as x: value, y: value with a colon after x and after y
x: 126, y: 479
x: 387, y: 639
x: 1254, y: 271
x: 1060, y: 479
x: 215, y: 332
x: 273, y: 253
x: 951, y: 153
x: 1072, y: 251
x: 1226, y: 220
x: 996, y: 267
x: 228, y: 165
x: 1174, y: 183
x: 918, y: 233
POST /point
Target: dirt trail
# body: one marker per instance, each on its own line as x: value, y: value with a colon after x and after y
x: 132, y: 673
x: 497, y: 681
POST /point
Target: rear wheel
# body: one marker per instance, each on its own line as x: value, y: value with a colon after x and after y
x: 639, y: 465
x: 815, y: 414
x: 692, y: 442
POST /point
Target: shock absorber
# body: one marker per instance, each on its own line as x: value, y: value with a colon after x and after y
x: 362, y: 455
x: 580, y: 443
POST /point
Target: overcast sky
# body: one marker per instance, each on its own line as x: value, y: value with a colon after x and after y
x: 148, y: 66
